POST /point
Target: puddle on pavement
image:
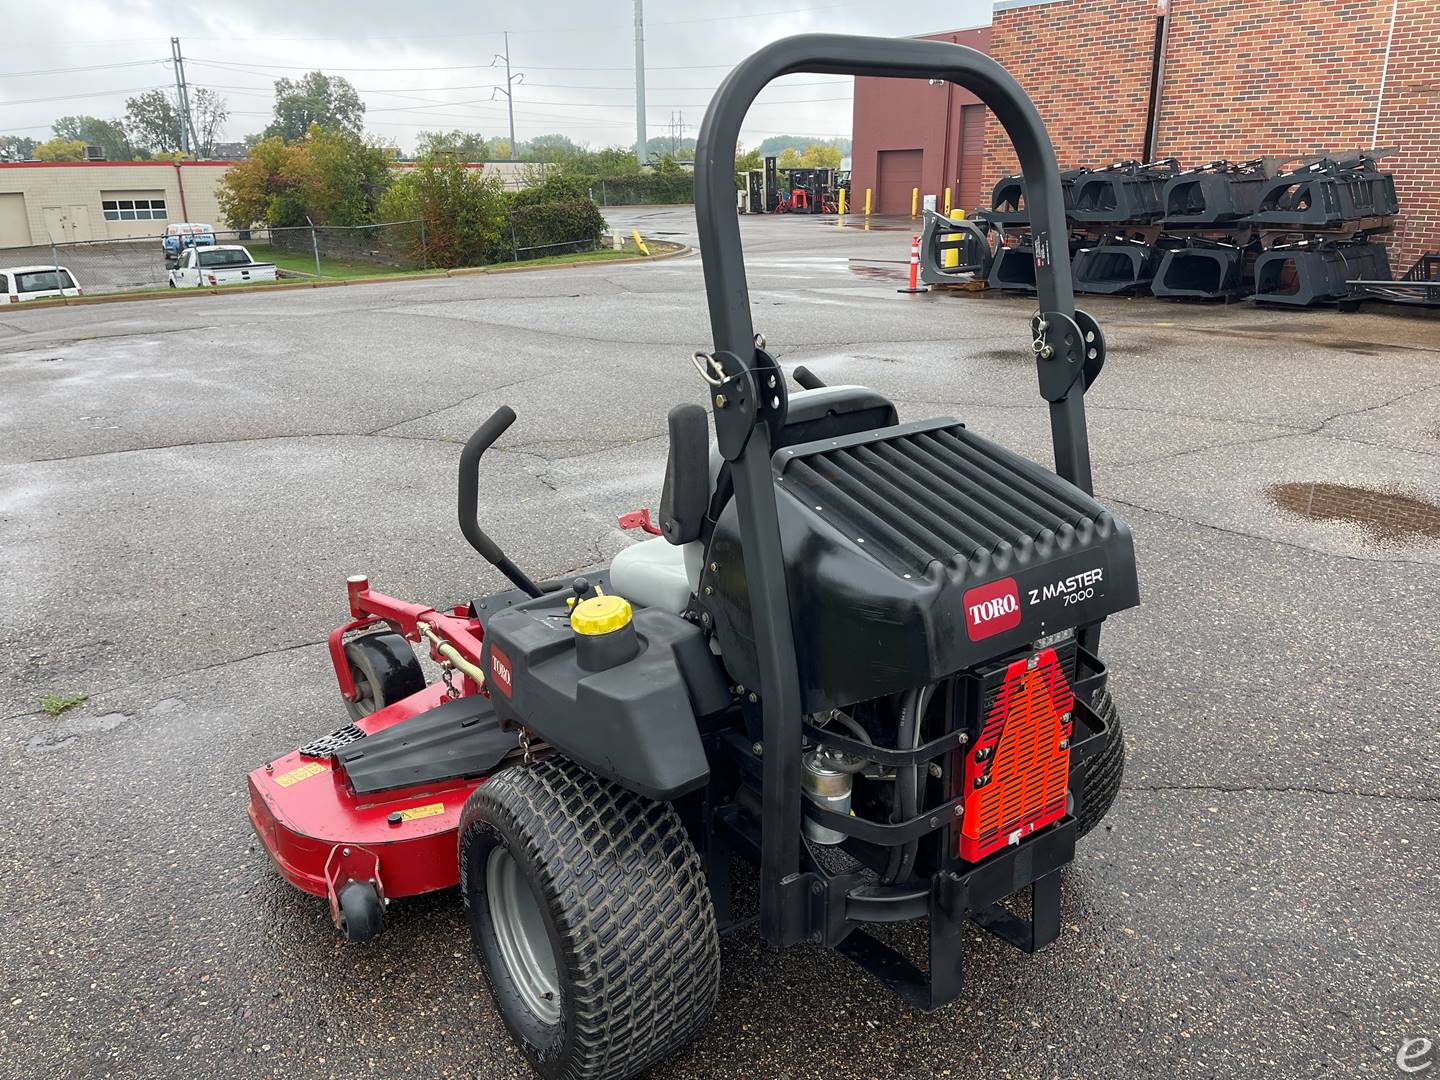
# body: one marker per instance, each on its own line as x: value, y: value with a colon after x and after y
x: 876, y: 270
x: 1385, y: 516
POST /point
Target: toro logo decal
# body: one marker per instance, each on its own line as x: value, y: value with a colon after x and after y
x: 992, y: 609
x: 500, y: 669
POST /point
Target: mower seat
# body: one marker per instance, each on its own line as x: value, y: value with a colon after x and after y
x: 664, y: 573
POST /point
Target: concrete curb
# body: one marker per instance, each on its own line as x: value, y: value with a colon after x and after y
x: 331, y: 283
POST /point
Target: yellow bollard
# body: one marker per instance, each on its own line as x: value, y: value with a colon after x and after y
x: 914, y: 202
x: 951, y: 256
x: 867, y: 202
x: 947, y: 202
x: 639, y: 244
x: 841, y: 204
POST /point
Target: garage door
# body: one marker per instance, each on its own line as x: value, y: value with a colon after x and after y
x: 972, y: 158
x: 897, y: 175
x: 14, y: 221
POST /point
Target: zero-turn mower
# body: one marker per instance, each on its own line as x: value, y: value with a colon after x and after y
x: 861, y: 654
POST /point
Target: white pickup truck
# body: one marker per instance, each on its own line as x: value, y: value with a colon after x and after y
x: 226, y: 264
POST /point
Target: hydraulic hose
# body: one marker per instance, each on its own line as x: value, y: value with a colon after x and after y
x: 907, y: 781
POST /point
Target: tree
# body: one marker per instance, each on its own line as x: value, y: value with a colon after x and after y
x: 341, y: 177
x: 109, y: 135
x: 682, y: 149
x: 317, y: 99
x: 259, y: 190
x: 554, y: 148
x: 789, y: 159
x: 152, y: 122
x: 772, y: 146
x: 820, y: 156
x: 330, y: 177
x: 208, y: 113
x: 457, y: 144
x: 16, y: 148
x: 463, y: 210
x: 59, y: 149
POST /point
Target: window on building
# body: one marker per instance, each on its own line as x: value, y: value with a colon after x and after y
x: 134, y: 209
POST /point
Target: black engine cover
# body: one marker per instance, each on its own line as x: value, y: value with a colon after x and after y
x: 914, y: 552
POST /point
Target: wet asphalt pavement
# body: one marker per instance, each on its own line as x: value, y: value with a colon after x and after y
x: 185, y: 484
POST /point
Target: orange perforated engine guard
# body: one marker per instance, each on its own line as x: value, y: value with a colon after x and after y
x: 1016, y: 775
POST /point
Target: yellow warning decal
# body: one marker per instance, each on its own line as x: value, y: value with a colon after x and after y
x: 430, y: 810
x: 304, y: 772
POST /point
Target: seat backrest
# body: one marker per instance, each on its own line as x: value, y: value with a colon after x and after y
x: 697, y: 479
x: 826, y: 412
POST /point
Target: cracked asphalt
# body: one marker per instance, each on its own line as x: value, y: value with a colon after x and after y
x: 185, y: 484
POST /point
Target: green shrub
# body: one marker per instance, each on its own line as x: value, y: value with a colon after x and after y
x: 463, y: 211
x: 570, y: 223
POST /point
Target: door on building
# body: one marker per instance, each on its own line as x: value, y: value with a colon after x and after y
x: 897, y: 175
x: 80, y: 223
x: 55, y: 223
x: 972, y: 159
x: 14, y: 220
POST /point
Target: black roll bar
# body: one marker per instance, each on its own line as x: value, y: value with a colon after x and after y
x: 743, y: 423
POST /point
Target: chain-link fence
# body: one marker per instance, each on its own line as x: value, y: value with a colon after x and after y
x: 139, y: 264
x: 142, y: 263
x: 396, y: 244
x: 644, y: 189
x: 549, y: 229
x: 106, y: 266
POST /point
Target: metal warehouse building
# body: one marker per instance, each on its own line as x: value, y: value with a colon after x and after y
x: 1195, y: 80
x: 64, y: 201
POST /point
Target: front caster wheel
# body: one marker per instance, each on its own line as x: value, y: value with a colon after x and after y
x: 384, y: 670
x: 362, y: 913
x: 591, y: 917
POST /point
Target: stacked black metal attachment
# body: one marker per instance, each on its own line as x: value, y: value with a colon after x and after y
x: 1295, y: 232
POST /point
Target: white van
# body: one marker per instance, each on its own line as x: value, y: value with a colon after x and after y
x: 38, y: 282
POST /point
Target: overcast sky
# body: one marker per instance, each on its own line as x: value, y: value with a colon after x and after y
x: 425, y: 64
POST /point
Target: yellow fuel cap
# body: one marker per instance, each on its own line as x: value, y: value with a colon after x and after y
x: 600, y: 615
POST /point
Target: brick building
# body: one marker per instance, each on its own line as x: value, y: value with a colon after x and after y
x: 909, y: 133
x: 1196, y: 80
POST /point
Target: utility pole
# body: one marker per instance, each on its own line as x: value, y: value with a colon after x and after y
x: 677, y: 131
x: 641, y: 155
x: 509, y: 89
x: 188, y: 138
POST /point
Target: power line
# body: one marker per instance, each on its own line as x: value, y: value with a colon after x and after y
x: 74, y: 97
x: 90, y: 67
x: 451, y: 67
x: 389, y: 38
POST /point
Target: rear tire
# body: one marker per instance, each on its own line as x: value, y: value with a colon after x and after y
x: 1104, y: 771
x: 384, y: 670
x: 574, y: 884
